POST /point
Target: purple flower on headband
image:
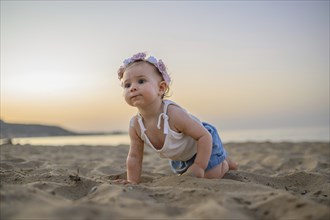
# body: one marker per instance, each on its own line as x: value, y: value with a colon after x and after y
x: 135, y: 57
x: 139, y: 56
x: 161, y: 66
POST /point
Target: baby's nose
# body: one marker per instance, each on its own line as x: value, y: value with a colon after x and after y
x: 133, y: 88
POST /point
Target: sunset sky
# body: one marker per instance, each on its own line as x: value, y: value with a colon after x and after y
x: 235, y: 64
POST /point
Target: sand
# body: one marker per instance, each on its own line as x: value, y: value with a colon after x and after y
x: 274, y: 181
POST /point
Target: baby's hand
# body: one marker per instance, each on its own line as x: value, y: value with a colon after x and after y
x: 195, y: 170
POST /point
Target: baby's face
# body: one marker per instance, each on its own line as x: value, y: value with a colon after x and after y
x: 141, y: 84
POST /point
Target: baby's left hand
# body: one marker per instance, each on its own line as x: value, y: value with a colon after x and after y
x: 196, y: 170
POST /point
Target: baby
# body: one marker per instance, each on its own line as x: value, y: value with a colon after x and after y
x: 193, y: 147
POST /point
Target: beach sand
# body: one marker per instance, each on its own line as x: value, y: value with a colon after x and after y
x: 274, y: 181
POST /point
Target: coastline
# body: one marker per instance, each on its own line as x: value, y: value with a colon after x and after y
x: 274, y: 181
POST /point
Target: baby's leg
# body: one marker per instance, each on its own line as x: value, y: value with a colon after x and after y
x: 218, y: 171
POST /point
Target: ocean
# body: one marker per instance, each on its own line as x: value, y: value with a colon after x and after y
x: 259, y: 135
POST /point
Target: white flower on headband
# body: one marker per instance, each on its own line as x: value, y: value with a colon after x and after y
x: 142, y: 56
x: 152, y: 60
x: 127, y: 61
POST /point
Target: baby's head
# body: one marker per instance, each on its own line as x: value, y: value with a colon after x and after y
x: 139, y: 58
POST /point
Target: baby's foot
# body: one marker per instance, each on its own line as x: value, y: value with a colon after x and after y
x: 232, y: 164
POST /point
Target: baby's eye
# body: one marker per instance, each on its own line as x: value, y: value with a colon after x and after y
x: 141, y: 81
x: 127, y: 85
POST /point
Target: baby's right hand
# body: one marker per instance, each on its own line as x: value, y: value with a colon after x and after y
x: 195, y: 170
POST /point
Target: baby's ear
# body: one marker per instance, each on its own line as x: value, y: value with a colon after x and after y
x: 162, y: 87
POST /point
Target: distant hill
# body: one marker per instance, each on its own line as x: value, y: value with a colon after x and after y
x: 11, y: 130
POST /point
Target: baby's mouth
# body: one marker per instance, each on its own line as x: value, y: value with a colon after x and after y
x: 135, y: 96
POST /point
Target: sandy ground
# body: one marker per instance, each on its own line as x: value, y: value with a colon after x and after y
x: 274, y: 181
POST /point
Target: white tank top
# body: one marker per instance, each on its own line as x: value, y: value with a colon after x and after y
x: 177, y: 146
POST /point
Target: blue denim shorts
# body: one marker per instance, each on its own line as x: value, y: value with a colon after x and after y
x: 218, y: 154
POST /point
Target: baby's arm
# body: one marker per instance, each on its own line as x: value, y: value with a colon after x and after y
x: 183, y: 122
x: 135, y: 154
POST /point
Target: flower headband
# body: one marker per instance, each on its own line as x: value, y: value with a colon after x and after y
x: 142, y: 57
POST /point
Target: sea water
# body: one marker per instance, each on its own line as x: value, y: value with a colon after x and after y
x: 114, y: 140
x: 257, y: 135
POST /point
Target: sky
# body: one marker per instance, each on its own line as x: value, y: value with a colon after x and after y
x: 235, y: 64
